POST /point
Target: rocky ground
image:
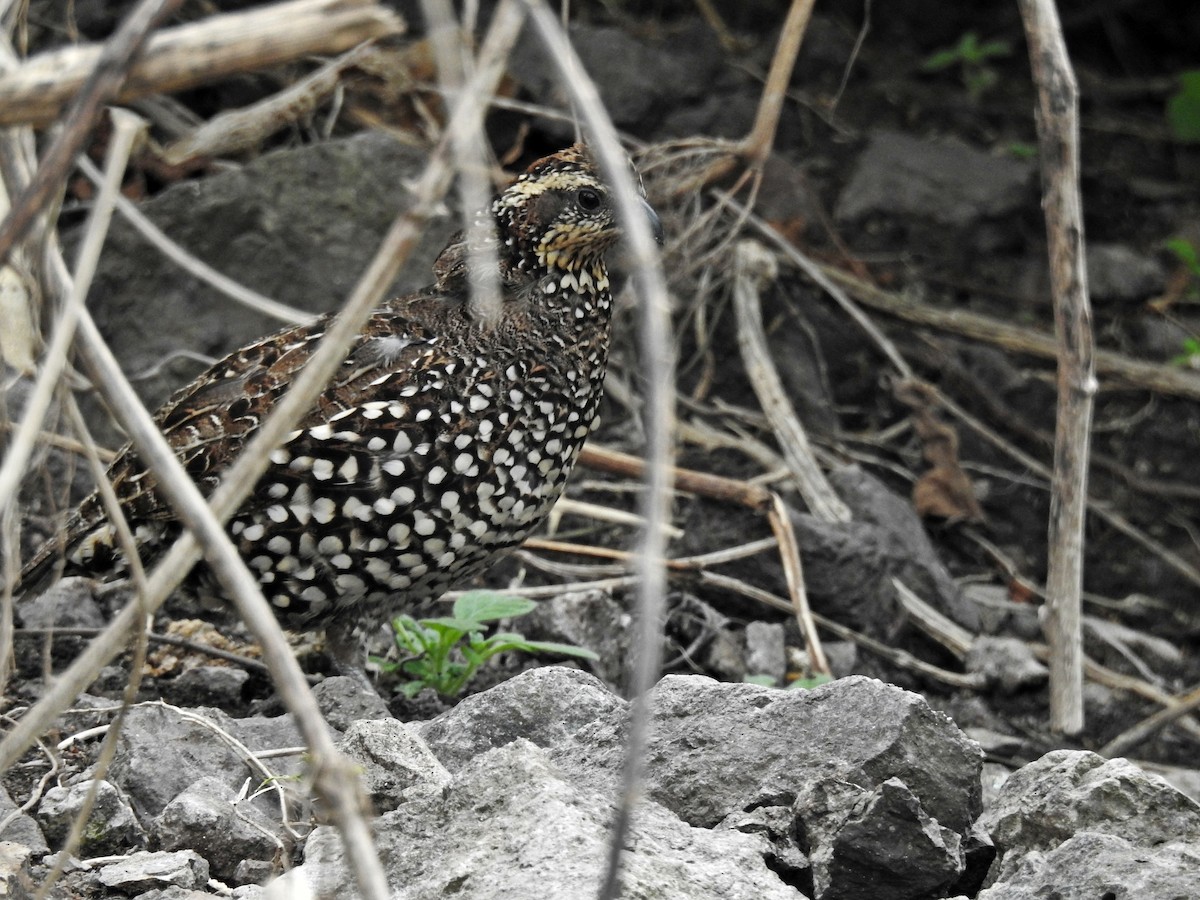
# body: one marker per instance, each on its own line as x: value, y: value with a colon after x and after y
x: 927, y: 769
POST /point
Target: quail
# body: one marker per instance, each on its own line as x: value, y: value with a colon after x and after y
x: 442, y: 440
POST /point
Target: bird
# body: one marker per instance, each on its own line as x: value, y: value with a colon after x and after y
x: 443, y: 440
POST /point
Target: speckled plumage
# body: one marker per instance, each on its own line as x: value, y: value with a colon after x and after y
x: 441, y: 441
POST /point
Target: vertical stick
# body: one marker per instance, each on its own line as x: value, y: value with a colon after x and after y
x: 1058, y: 139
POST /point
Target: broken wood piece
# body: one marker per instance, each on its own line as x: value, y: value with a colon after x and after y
x: 245, y: 130
x: 189, y: 55
x: 753, y: 264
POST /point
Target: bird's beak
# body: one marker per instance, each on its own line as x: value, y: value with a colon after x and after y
x: 655, y: 223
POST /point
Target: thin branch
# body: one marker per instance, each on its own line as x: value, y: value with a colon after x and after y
x: 1058, y: 138
x: 657, y: 358
x: 54, y: 360
x: 109, y: 73
x: 198, y: 53
x: 196, y: 267
x: 753, y: 265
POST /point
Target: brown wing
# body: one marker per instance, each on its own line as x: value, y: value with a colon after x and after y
x: 209, y: 421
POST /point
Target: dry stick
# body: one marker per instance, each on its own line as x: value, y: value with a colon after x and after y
x: 743, y: 493
x: 900, y: 658
x: 1096, y: 508
x: 247, y: 129
x: 819, y: 275
x: 12, y: 472
x: 1172, y: 381
x: 978, y: 327
x: 753, y: 266
x: 1131, y: 737
x: 246, y: 470
x: 111, y: 66
x: 1058, y: 137
x: 126, y: 128
x: 196, y: 266
x: 756, y: 146
x: 793, y: 571
x: 656, y: 351
x: 1169, y: 380
x: 198, y: 53
x: 474, y: 183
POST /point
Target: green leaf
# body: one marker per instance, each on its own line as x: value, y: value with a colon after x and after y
x: 804, y: 684
x: 444, y: 624
x: 991, y: 49
x: 1183, y: 108
x: 1185, y: 251
x: 760, y: 680
x: 563, y: 649
x: 486, y: 606
x: 942, y: 59
x: 410, y: 689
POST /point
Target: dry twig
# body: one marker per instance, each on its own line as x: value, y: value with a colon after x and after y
x: 752, y: 265
x: 1058, y: 136
x: 198, y: 53
x: 105, y: 73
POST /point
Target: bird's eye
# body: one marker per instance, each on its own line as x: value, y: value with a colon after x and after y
x: 588, y: 199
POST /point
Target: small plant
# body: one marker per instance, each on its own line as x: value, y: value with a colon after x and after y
x: 1021, y: 150
x: 1190, y: 357
x: 972, y: 58
x: 1183, y: 108
x: 445, y: 652
x: 1185, y: 251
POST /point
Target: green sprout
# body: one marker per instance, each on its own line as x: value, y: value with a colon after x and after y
x: 971, y: 56
x: 1190, y: 357
x: 445, y: 652
x: 1183, y: 108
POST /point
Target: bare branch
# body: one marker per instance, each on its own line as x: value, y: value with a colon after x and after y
x: 198, y: 53
x: 1058, y: 138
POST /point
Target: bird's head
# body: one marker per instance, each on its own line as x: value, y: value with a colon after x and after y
x: 558, y: 216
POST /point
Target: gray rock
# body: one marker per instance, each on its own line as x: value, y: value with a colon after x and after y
x: 204, y: 815
x: 946, y: 182
x: 1067, y: 792
x: 557, y: 708
x: 849, y: 567
x: 542, y: 837
x: 23, y: 829
x: 1118, y: 272
x: 636, y: 80
x: 1092, y: 866
x: 591, y: 619
x: 842, y: 657
x: 878, y: 844
x: 296, y: 224
x: 160, y: 754
x: 346, y: 699
x: 1007, y: 663
x: 253, y: 873
x: 219, y: 686
x: 144, y: 871
x: 176, y: 893
x: 393, y: 758
x: 16, y: 882
x: 112, y: 827
x: 744, y: 758
x: 716, y: 748
x: 766, y: 651
x: 69, y: 603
